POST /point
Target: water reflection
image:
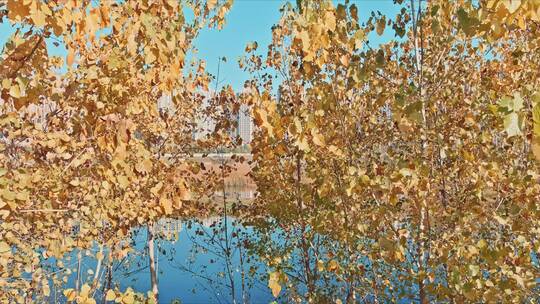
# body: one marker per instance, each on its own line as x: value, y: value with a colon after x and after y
x: 199, y: 261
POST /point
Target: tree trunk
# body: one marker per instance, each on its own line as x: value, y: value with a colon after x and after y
x: 242, y: 273
x: 423, y: 252
x: 78, y: 281
x: 95, y: 281
x: 310, y: 281
x: 108, y: 280
x: 152, y: 261
x: 423, y: 233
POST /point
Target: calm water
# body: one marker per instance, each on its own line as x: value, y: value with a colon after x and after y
x: 193, y: 267
x: 192, y: 264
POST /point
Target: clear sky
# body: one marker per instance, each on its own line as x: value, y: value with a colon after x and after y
x: 251, y: 20
x: 248, y: 20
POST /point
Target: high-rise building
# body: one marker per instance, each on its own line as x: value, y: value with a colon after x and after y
x: 204, y: 125
x: 245, y: 125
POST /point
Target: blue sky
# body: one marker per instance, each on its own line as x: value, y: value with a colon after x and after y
x: 248, y: 20
x: 251, y: 20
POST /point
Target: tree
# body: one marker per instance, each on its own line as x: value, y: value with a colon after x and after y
x: 88, y: 153
x: 415, y: 156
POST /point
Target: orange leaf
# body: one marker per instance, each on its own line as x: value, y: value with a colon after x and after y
x: 70, y: 56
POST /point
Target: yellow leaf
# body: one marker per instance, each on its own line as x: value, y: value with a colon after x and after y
x: 260, y: 117
x: 120, y: 152
x: 305, y: 39
x: 211, y: 4
x: 519, y: 280
x: 85, y: 291
x: 318, y: 139
x: 512, y: 5
x: 183, y: 192
x: 4, y: 214
x: 474, y: 270
x: 22, y: 196
x: 330, y: 20
x: 155, y: 190
x: 359, y: 38
x: 166, y: 204
x: 8, y: 195
x: 149, y: 57
x: 273, y: 283
x: 38, y: 17
x: 144, y: 167
x: 110, y: 295
x: 123, y: 181
x: 4, y: 247
x: 15, y: 91
x: 482, y: 244
x: 302, y: 144
x: 128, y: 299
x: 335, y: 150
x: 6, y: 83
x: 332, y: 265
x: 70, y: 294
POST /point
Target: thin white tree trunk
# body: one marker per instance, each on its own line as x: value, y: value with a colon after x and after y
x: 79, y: 261
x: 98, y: 268
x: 152, y: 261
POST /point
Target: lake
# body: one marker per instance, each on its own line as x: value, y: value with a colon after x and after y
x: 192, y: 264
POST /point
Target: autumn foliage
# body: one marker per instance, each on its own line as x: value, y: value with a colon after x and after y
x: 414, y: 164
